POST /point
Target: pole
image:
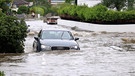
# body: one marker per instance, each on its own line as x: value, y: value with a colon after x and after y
x: 75, y: 2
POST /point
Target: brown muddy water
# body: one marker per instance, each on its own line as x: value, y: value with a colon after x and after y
x: 101, y: 54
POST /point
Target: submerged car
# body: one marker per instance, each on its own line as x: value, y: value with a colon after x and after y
x: 55, y: 40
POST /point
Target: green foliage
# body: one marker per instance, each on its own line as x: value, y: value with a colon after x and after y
x: 45, y: 9
x: 23, y: 9
x: 67, y: 1
x: 110, y: 15
x: 80, y: 11
x: 107, y: 3
x: 2, y: 73
x: 44, y: 3
x: 130, y: 4
x: 4, y: 5
x: 29, y: 0
x: 39, y: 6
x: 37, y: 10
x: 73, y: 10
x: 83, y: 12
x: 119, y: 4
x: 12, y: 34
x: 68, y: 9
x: 96, y: 13
x: 54, y: 10
x: 1, y: 12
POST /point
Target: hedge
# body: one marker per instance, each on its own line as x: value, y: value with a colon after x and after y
x: 96, y: 14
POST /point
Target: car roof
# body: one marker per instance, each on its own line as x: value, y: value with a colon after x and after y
x: 55, y: 29
x: 54, y: 17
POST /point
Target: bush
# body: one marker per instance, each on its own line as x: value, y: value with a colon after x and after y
x: 98, y: 13
x: 37, y: 10
x: 2, y: 73
x: 63, y: 8
x: 80, y: 12
x: 45, y: 9
x: 110, y: 15
x: 12, y: 34
x: 23, y: 9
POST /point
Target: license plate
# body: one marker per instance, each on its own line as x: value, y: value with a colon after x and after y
x: 60, y: 48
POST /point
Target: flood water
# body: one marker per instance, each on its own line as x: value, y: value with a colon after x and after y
x: 101, y: 54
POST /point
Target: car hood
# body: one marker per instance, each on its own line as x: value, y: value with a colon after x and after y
x: 58, y: 42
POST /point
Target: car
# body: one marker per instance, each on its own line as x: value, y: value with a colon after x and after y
x: 51, y: 20
x: 55, y: 39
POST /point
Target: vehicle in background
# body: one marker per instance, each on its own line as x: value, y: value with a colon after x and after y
x: 51, y: 20
x: 54, y: 39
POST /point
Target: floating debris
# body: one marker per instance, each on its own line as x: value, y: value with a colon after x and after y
x: 128, y: 40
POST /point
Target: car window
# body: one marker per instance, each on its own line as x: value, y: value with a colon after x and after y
x: 66, y: 35
x: 47, y: 35
x: 51, y: 34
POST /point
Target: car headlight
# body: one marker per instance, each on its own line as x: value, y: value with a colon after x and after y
x: 45, y: 47
x: 74, y: 47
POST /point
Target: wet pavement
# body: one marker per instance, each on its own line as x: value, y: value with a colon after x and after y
x: 101, y: 54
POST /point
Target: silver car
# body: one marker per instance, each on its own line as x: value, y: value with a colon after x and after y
x: 55, y: 40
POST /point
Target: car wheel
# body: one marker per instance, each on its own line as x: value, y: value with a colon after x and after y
x: 36, y: 48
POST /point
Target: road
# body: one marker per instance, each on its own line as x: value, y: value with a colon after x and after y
x: 101, y: 54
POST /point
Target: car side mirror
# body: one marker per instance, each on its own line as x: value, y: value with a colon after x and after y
x: 76, y: 39
x: 36, y: 38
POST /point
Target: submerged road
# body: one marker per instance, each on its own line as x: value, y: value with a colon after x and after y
x: 101, y: 54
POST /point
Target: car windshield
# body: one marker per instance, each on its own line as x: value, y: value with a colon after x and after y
x: 53, y: 34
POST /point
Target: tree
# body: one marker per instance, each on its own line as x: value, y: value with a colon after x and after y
x: 68, y: 1
x: 4, y: 5
x: 29, y: 0
x: 118, y: 4
x: 44, y: 3
x: 23, y: 9
x: 12, y: 34
x: 130, y: 4
x: 37, y: 10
